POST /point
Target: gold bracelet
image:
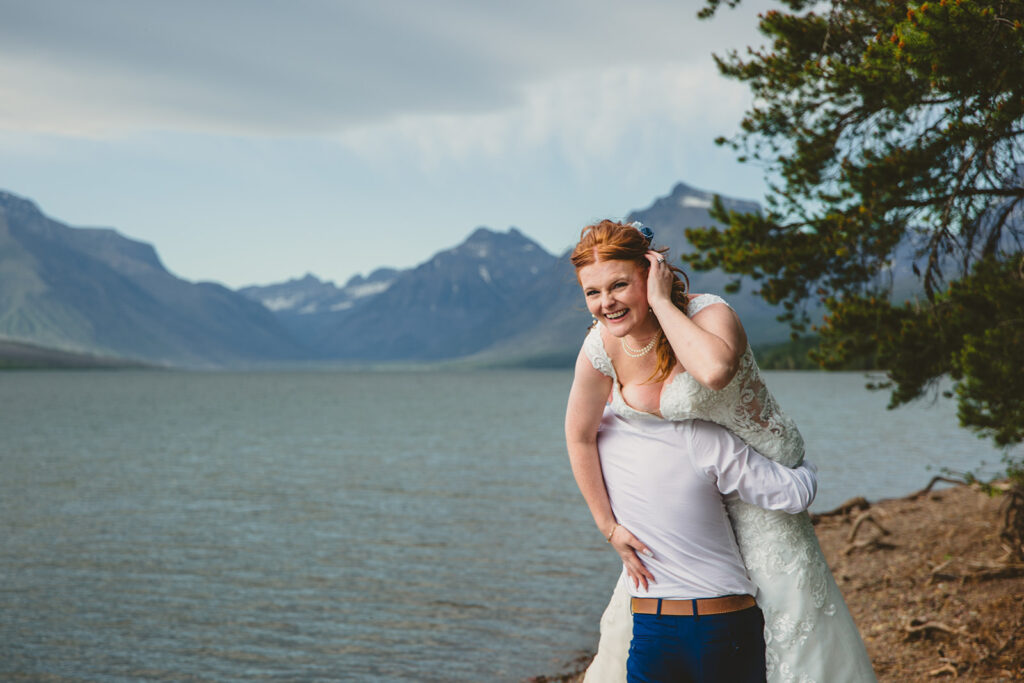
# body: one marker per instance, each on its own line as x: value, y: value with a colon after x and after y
x: 612, y: 532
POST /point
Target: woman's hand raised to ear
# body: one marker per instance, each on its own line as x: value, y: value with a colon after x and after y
x: 659, y: 279
x: 709, y: 345
x: 629, y: 549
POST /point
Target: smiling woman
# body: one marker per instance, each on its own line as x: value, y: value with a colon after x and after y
x: 616, y: 291
x: 612, y: 263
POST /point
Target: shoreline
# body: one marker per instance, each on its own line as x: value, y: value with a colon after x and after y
x: 926, y: 582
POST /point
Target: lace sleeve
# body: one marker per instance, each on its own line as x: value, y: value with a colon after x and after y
x: 593, y: 347
x: 701, y: 301
x: 757, y: 418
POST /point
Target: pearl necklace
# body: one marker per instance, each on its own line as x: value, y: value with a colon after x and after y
x: 637, y: 353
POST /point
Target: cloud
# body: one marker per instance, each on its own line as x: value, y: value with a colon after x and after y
x: 583, y: 117
x: 110, y: 68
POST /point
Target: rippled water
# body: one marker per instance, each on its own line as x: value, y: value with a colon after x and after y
x: 341, y: 526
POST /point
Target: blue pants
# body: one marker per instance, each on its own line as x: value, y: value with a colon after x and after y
x: 710, y: 648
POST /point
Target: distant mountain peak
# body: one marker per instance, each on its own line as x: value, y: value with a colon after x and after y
x: 378, y: 275
x: 686, y: 206
x: 689, y: 197
x: 310, y: 295
x: 485, y: 233
x: 13, y: 202
x: 482, y: 232
x: 681, y: 189
x: 484, y: 243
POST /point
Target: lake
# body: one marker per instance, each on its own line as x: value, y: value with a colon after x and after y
x: 334, y: 525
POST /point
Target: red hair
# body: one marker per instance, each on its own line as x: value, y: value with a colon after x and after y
x: 612, y: 241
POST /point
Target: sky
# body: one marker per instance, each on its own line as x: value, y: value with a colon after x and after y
x: 255, y: 141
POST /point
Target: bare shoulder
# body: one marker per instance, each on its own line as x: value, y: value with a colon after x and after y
x: 587, y: 397
x: 586, y: 374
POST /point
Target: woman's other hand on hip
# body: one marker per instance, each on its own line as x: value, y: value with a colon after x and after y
x: 630, y: 548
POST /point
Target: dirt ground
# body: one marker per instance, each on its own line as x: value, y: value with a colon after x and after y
x: 923, y: 580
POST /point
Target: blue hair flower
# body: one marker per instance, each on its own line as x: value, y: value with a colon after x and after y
x: 644, y: 230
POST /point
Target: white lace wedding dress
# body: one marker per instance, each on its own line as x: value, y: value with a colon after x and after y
x: 810, y: 636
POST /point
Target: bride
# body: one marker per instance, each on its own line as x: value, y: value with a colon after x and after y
x: 658, y: 352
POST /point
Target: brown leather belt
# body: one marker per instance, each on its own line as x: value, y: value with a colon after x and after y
x: 685, y: 608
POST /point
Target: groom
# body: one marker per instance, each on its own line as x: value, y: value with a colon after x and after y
x: 697, y: 621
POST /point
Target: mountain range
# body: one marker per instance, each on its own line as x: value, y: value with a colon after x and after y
x: 498, y: 298
x: 93, y: 290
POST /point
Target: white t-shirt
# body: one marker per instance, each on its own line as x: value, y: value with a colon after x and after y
x: 666, y: 480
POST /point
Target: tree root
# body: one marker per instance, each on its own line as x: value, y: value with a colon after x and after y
x: 936, y: 479
x: 862, y: 518
x: 860, y: 503
x: 919, y: 627
x: 854, y: 504
x: 874, y: 542
x: 977, y: 571
x: 1012, y: 533
x: 985, y: 571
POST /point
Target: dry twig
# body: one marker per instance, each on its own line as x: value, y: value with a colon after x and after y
x: 946, y: 668
x: 938, y: 573
x: 918, y: 627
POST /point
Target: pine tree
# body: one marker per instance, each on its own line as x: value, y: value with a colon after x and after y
x: 891, y: 128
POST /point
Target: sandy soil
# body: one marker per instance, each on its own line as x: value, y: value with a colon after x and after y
x: 923, y: 581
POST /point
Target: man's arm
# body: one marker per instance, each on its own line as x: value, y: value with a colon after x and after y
x: 736, y: 467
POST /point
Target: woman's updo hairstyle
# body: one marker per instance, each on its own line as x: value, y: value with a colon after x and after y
x: 613, y: 241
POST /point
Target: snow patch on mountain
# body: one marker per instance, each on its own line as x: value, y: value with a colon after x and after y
x: 689, y: 201
x: 368, y: 289
x: 281, y: 303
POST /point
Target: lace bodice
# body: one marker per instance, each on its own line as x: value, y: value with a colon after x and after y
x: 744, y: 406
